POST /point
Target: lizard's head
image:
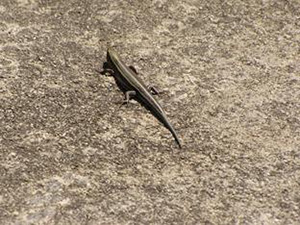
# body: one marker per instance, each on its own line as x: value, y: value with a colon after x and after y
x: 112, y: 55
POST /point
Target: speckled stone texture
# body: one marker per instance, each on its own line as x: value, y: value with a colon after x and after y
x: 69, y: 154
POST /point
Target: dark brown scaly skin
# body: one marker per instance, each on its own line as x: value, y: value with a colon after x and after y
x: 134, y: 86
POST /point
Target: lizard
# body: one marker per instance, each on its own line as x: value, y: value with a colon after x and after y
x: 135, y: 87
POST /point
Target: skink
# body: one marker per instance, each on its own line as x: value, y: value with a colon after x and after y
x: 135, y: 87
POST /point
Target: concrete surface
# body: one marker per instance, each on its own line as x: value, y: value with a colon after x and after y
x: 70, y: 155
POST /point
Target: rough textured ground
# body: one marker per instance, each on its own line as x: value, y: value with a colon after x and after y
x: 70, y: 155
